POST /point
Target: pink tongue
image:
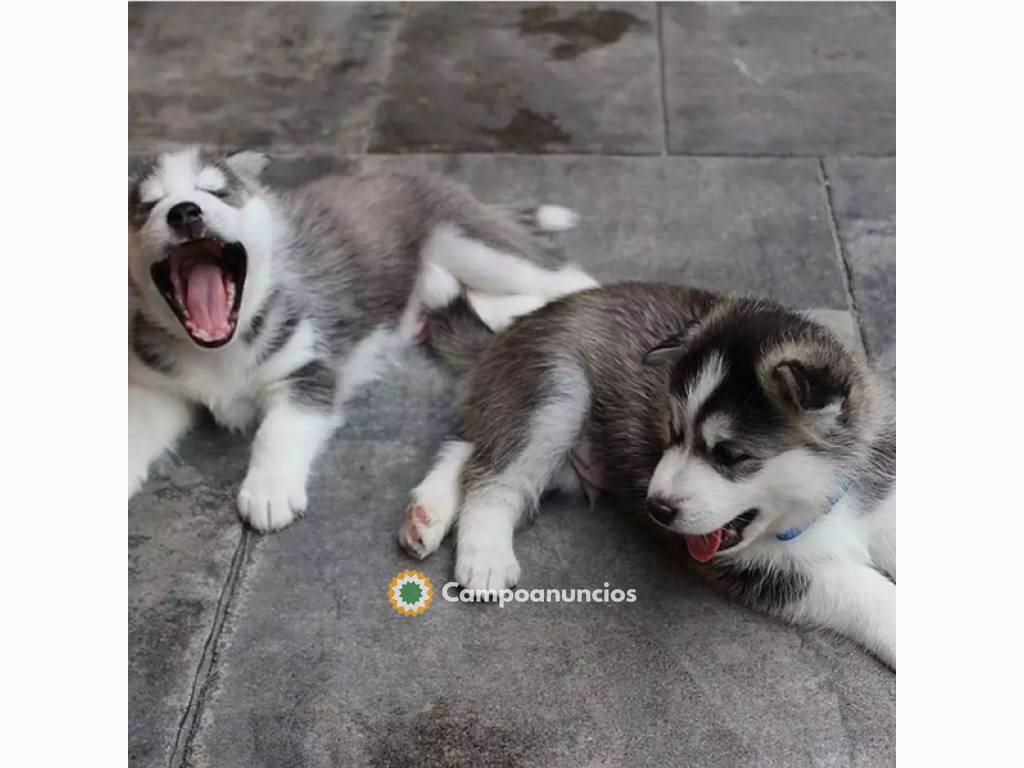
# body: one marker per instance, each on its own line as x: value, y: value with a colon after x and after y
x: 703, y: 548
x: 207, y: 300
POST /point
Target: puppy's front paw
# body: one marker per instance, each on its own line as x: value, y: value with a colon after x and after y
x: 269, y: 502
x: 885, y: 647
x: 890, y: 658
x: 486, y: 567
x: 422, y: 531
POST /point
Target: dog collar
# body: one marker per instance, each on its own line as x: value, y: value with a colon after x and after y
x: 791, y: 533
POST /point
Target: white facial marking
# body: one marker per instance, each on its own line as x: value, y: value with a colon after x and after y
x: 707, y: 381
x: 211, y: 179
x: 178, y: 171
x: 716, y: 427
x: 151, y: 190
x: 664, y: 482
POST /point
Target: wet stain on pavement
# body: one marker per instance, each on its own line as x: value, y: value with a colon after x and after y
x: 581, y: 32
x: 529, y: 130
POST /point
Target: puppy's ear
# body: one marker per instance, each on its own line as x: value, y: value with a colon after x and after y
x: 135, y: 170
x: 248, y: 163
x: 807, y: 389
x: 667, y: 350
x: 137, y: 166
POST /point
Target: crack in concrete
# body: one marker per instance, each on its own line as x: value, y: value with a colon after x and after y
x: 189, y: 724
x: 843, y: 256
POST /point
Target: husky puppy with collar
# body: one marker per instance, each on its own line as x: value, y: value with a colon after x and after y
x: 272, y: 309
x: 744, y: 427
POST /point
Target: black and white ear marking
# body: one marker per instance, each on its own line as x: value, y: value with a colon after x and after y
x: 138, y: 166
x: 134, y: 177
x: 248, y: 163
x: 667, y: 350
x: 808, y: 389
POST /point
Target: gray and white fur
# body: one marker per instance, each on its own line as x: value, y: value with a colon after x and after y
x: 271, y: 309
x: 744, y: 427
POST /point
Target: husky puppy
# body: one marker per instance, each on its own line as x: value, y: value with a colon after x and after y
x: 272, y: 309
x: 744, y: 427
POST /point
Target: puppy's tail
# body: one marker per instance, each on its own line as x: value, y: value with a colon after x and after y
x: 547, y: 218
x: 457, y: 334
x: 460, y: 322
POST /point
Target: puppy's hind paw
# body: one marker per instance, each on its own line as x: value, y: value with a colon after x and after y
x: 421, y: 533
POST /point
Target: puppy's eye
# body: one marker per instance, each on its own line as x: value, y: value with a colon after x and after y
x: 728, y: 454
x: 220, y: 194
x: 144, y: 209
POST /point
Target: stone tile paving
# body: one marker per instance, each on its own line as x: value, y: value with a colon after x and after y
x: 281, y: 650
x: 780, y: 78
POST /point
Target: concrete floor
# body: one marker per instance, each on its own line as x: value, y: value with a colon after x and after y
x: 746, y: 148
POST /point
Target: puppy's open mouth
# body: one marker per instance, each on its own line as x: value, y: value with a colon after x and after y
x: 703, y: 548
x: 202, y: 282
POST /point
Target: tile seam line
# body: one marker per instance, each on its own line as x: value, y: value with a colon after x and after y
x: 189, y: 723
x: 313, y: 150
x: 624, y: 155
x: 382, y: 94
x: 842, y: 255
x: 659, y: 18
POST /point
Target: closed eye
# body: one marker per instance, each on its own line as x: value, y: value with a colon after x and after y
x: 728, y: 454
x: 218, y: 193
x: 144, y: 209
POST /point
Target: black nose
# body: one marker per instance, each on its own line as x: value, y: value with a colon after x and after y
x: 661, y: 510
x: 186, y: 218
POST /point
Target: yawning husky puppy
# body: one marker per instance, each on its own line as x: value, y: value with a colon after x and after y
x: 744, y: 427
x: 274, y: 308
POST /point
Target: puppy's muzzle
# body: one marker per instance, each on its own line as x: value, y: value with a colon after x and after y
x: 662, y: 510
x: 186, y: 221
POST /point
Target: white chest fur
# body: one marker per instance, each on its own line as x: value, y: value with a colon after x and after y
x: 847, y: 533
x: 231, y: 381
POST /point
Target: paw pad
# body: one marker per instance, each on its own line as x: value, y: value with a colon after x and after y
x: 419, y: 514
x: 413, y: 533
